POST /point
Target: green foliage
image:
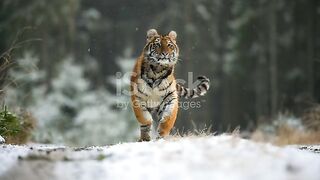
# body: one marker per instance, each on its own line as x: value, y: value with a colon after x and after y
x: 16, y: 128
x: 9, y: 123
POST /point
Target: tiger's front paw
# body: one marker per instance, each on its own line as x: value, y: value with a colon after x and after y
x: 144, y: 139
x: 145, y: 133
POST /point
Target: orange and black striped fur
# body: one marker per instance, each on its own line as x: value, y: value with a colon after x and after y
x: 153, y: 85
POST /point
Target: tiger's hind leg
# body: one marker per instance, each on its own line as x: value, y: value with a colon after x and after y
x: 168, y: 114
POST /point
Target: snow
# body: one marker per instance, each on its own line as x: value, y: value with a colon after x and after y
x: 212, y: 157
x: 203, y: 11
x: 2, y: 140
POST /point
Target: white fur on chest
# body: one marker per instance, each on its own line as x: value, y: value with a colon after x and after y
x: 154, y: 96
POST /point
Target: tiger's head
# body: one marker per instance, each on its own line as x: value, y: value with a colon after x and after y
x: 161, y: 49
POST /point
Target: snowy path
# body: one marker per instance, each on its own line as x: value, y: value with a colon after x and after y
x: 219, y: 157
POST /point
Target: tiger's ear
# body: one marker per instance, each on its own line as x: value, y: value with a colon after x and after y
x: 173, y: 35
x: 151, y: 33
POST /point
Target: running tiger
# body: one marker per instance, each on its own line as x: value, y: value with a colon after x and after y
x: 153, y: 86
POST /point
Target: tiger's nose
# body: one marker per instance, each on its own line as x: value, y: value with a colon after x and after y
x: 165, y: 55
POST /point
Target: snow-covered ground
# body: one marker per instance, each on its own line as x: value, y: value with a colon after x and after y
x: 215, y: 157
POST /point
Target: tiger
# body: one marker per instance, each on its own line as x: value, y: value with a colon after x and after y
x: 154, y: 90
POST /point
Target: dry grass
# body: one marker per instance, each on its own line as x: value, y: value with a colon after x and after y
x: 205, y: 132
x: 28, y: 123
x: 286, y: 135
x: 305, y: 131
x: 196, y: 132
x: 311, y: 118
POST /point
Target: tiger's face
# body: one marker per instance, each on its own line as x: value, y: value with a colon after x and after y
x: 161, y: 50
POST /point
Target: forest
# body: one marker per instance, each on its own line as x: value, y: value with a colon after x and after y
x: 62, y: 61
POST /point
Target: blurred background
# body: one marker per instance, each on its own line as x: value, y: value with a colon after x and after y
x: 59, y: 64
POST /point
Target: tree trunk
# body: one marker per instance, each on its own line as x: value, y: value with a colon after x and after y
x: 261, y: 73
x: 312, y: 12
x: 46, y: 60
x: 273, y: 57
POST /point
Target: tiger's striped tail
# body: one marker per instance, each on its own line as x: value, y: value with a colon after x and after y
x: 200, y: 90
